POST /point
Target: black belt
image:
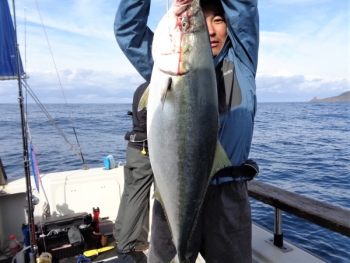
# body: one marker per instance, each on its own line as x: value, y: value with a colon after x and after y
x: 134, y: 136
x: 249, y: 169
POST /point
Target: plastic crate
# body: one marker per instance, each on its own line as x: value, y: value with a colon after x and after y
x: 59, y: 246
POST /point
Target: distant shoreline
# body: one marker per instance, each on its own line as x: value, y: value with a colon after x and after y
x: 344, y: 97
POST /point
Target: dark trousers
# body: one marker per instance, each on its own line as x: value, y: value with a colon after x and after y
x: 223, y: 233
x: 132, y: 223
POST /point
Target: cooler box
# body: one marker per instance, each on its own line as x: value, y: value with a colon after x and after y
x: 66, y: 221
x: 57, y: 242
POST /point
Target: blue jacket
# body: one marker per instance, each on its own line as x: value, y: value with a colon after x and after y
x: 236, y: 129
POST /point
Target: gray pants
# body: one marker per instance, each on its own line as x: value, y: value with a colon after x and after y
x: 132, y: 223
x: 223, y: 233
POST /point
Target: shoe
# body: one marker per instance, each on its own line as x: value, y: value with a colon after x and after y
x: 141, y: 246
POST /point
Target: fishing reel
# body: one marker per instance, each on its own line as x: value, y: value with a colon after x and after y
x: 35, y: 200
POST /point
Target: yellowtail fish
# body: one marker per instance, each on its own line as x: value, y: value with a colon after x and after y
x: 182, y: 118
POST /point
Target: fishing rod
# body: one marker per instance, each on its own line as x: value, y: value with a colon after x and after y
x: 33, y: 244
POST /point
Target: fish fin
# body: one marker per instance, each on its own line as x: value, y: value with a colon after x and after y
x: 157, y: 196
x: 144, y: 100
x: 165, y: 91
x: 175, y: 259
x: 220, y: 159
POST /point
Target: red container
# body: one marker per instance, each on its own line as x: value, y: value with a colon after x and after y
x: 15, y: 246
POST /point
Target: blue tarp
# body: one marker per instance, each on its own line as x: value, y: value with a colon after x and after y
x: 8, y: 62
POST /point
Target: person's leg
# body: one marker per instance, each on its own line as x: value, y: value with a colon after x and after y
x: 137, y: 205
x: 196, y: 238
x: 162, y: 248
x: 144, y: 232
x: 124, y: 198
x: 227, y: 224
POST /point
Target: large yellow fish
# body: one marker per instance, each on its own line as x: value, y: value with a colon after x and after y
x: 182, y: 118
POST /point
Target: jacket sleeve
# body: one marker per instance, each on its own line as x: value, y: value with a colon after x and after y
x: 133, y: 35
x: 243, y: 30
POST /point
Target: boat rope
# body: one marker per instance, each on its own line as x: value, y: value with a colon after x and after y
x: 35, y: 98
x: 46, y: 207
x: 25, y: 40
x: 35, y: 168
x: 64, y: 96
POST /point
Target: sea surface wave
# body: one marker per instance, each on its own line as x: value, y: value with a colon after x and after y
x: 300, y: 147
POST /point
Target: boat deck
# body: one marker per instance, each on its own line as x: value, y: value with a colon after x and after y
x: 263, y: 251
x: 80, y: 190
x: 110, y: 256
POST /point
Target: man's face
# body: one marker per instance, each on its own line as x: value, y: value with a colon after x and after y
x: 216, y: 23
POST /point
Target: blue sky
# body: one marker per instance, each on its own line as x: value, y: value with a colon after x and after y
x: 304, y: 51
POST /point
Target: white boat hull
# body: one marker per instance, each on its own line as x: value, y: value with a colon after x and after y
x: 81, y: 190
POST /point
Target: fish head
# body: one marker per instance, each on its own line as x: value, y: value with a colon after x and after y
x: 179, y: 38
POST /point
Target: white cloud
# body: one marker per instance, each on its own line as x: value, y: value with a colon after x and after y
x: 298, y: 88
x: 78, y: 86
x: 304, y: 50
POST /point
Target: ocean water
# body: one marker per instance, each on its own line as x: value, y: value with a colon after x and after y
x: 300, y: 147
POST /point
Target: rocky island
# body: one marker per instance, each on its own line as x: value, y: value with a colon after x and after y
x: 344, y: 97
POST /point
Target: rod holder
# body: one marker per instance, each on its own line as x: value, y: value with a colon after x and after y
x: 278, y: 235
x: 277, y: 240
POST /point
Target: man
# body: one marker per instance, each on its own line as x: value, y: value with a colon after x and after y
x: 131, y: 226
x: 223, y: 231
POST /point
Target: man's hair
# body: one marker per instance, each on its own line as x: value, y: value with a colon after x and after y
x: 212, y: 2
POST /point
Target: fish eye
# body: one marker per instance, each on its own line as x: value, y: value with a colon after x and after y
x: 184, y: 23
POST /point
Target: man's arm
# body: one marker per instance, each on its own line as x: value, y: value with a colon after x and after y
x: 133, y: 35
x: 243, y: 29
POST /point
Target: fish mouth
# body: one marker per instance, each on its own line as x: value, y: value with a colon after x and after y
x: 182, y: 6
x: 173, y: 73
x: 182, y: 2
x: 171, y: 63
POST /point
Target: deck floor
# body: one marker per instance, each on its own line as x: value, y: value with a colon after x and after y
x: 110, y: 256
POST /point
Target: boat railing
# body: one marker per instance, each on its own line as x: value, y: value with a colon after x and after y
x: 326, y: 215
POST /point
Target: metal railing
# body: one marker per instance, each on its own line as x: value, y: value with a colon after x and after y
x: 332, y: 217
